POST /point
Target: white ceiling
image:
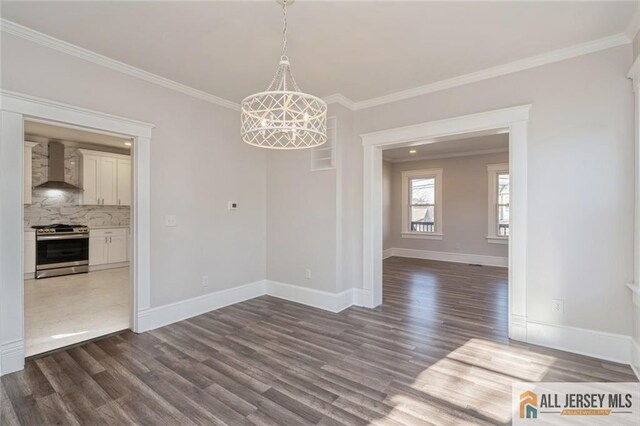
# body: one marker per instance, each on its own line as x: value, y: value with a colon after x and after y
x: 473, y: 145
x: 360, y: 49
x: 65, y: 134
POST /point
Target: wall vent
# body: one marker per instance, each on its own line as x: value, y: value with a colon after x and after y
x: 323, y: 157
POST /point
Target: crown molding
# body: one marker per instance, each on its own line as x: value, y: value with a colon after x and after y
x: 634, y: 25
x: 79, y: 52
x: 634, y: 73
x: 339, y: 98
x: 500, y: 70
x: 482, y: 121
x: 615, y: 40
x: 442, y: 156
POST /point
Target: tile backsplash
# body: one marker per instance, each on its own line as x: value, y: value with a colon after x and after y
x: 51, y: 206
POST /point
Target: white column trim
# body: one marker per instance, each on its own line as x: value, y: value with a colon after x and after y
x: 514, y: 120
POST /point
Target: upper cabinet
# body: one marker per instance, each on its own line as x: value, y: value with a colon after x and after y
x: 124, y: 182
x: 105, y: 178
x: 28, y: 171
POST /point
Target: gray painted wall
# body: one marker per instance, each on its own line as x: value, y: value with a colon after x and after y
x: 198, y: 164
x: 464, y: 206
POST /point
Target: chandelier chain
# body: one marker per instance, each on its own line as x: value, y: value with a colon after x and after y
x: 283, y: 117
x: 284, y: 30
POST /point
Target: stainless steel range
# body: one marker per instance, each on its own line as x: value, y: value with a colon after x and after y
x: 61, y: 250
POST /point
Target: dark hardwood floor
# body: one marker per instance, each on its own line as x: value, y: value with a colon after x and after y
x: 436, y: 352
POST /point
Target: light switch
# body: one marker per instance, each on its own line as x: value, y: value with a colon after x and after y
x: 170, y: 220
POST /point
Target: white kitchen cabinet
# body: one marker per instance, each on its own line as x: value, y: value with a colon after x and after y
x: 124, y: 182
x: 28, y: 170
x: 108, y: 246
x: 118, y: 248
x: 97, y: 250
x: 29, y: 252
x: 105, y: 178
x: 108, y: 180
x: 89, y: 166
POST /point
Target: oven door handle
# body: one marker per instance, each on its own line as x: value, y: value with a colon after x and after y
x: 62, y: 237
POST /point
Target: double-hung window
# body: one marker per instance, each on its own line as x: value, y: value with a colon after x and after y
x: 499, y: 186
x: 422, y: 204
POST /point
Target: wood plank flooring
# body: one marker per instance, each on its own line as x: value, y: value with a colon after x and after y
x: 435, y: 352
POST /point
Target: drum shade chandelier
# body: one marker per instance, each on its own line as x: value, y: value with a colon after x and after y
x: 284, y: 117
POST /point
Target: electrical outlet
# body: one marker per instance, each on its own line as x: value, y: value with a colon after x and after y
x: 307, y: 273
x: 170, y: 220
x: 557, y: 306
x: 232, y: 205
x: 205, y: 281
x: 457, y: 246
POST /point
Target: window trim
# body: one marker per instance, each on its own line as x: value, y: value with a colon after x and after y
x: 493, y: 170
x: 438, y: 225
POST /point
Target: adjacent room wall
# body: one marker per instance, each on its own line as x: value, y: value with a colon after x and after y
x: 465, y: 192
x: 198, y: 164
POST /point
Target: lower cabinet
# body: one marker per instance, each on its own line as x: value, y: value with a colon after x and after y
x: 108, y: 246
x: 30, y: 252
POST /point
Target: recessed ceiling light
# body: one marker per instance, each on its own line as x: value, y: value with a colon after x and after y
x: 412, y: 151
x: 127, y: 143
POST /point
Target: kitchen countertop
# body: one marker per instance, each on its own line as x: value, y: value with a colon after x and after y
x: 30, y: 229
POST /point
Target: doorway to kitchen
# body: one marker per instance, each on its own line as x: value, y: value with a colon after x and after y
x: 17, y: 108
x: 77, y: 210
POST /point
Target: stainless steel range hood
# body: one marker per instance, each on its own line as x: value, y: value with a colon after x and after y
x: 56, y: 170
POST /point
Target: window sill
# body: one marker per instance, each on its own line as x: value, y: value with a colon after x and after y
x: 422, y: 235
x: 498, y: 240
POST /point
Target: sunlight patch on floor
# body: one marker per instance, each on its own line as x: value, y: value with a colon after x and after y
x: 475, y: 377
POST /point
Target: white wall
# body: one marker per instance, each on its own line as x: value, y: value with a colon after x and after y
x: 580, y: 173
x: 465, y: 192
x: 305, y: 216
x: 301, y: 221
x: 580, y: 169
x: 198, y: 163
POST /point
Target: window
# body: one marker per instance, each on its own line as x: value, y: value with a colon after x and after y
x: 422, y: 204
x: 498, y: 227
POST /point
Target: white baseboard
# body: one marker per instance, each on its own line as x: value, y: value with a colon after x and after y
x: 93, y: 268
x: 150, y: 319
x: 518, y: 328
x: 597, y: 344
x: 168, y: 314
x: 11, y: 357
x: 360, y: 296
x: 476, y: 259
x: 387, y: 253
x: 332, y: 302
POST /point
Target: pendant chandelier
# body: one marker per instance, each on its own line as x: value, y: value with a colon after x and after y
x: 284, y: 117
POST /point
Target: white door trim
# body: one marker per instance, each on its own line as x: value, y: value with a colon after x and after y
x: 514, y: 120
x: 15, y: 107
